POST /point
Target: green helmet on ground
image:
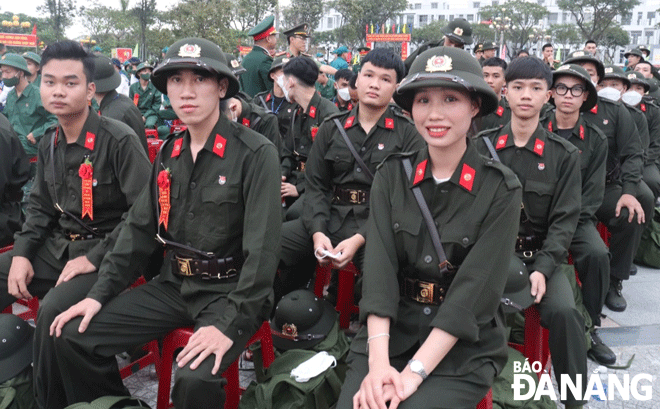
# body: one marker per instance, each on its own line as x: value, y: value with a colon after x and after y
x: 517, y: 291
x: 194, y: 53
x: 16, y: 346
x: 446, y: 67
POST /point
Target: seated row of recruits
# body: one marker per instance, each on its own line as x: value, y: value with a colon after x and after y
x: 212, y: 199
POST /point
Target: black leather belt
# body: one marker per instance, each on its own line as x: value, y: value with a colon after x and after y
x: 78, y: 237
x: 529, y: 244
x: 424, y: 292
x: 215, y: 268
x: 350, y: 196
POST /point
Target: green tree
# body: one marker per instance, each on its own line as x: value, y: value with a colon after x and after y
x: 481, y: 33
x: 145, y: 12
x: 357, y: 14
x: 303, y: 11
x: 612, y: 38
x: 595, y: 17
x: 248, y: 13
x: 523, y: 16
x: 565, y: 34
x: 59, y: 15
x: 205, y: 19
x: 109, y: 27
x: 430, y: 32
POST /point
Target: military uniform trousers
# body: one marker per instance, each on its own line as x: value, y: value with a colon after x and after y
x: 436, y: 392
x: 651, y: 176
x: 625, y: 236
x: 591, y: 259
x: 134, y: 318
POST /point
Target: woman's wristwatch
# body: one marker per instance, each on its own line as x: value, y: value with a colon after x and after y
x: 418, y: 368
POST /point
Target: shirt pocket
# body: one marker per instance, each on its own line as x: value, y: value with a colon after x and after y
x: 406, y: 228
x: 106, y: 191
x: 537, y: 196
x: 340, y: 158
x: 220, y: 214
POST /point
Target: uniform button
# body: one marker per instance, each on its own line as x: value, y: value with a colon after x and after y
x: 363, y: 149
x: 70, y: 172
x: 73, y: 197
x: 518, y: 152
x: 396, y: 225
x: 337, y: 158
x: 193, y: 185
x: 428, y: 259
x: 359, y: 170
x: 191, y: 216
x: 240, y: 332
x: 465, y: 240
x: 302, y: 146
x: 489, y: 162
x: 427, y: 310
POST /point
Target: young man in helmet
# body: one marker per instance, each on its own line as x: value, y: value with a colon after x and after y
x: 214, y: 202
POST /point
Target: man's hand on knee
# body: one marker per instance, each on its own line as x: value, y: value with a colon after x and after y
x: 20, y: 275
x: 77, y: 266
x: 86, y: 308
x: 634, y: 207
x: 537, y: 281
x: 204, y: 342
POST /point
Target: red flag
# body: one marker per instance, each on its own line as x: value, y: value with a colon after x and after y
x: 34, y: 30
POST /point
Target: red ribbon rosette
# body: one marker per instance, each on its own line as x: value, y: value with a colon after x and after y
x: 164, y: 183
x: 86, y: 173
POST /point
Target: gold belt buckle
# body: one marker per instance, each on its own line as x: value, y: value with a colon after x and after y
x: 302, y: 166
x: 184, y: 266
x: 354, y: 196
x: 74, y: 236
x: 425, y: 294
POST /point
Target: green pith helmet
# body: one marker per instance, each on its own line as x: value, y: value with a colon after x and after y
x: 448, y: 67
x: 634, y: 51
x: 341, y: 50
x: 16, y: 61
x: 194, y: 53
x: 645, y: 50
x: 577, y: 71
x: 29, y: 55
x: 143, y: 66
x: 654, y: 90
x: 458, y: 30
x: 517, y: 291
x: 301, y: 320
x: 105, y: 77
x: 236, y: 68
x: 15, y: 346
x: 636, y: 77
x: 488, y: 45
x: 577, y: 57
x: 278, y: 62
x: 616, y: 73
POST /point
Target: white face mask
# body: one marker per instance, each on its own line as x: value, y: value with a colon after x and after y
x: 344, y: 94
x: 280, y: 82
x: 631, y: 98
x: 610, y: 93
x: 313, y: 367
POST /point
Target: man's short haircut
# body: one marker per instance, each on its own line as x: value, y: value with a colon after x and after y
x: 70, y: 50
x: 590, y: 42
x: 648, y: 63
x: 546, y: 45
x: 344, y: 73
x: 495, y: 62
x: 388, y: 59
x: 352, y: 83
x: 528, y: 68
x: 303, y: 68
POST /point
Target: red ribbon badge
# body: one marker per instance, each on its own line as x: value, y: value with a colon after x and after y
x: 349, y: 122
x: 389, y: 123
x: 581, y: 132
x: 467, y: 177
x: 219, y: 145
x: 176, y: 150
x: 90, y: 138
x: 419, y: 172
x: 315, y: 130
x: 550, y: 126
x: 136, y: 98
x: 312, y: 111
x: 164, y: 183
x: 500, y: 111
x: 245, y: 122
x: 642, y: 107
x: 538, y: 147
x: 86, y: 173
x: 501, y: 141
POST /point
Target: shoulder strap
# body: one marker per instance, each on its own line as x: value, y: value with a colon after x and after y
x: 263, y: 102
x: 491, y: 148
x: 73, y: 217
x: 430, y: 224
x: 254, y: 123
x: 352, y: 149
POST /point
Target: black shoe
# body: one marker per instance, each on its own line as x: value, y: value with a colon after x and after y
x: 633, y: 270
x: 600, y: 352
x: 614, y: 300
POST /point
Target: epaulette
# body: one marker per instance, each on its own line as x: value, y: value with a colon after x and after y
x: 253, y: 140
x: 398, y: 111
x: 393, y: 155
x: 336, y: 115
x: 487, y: 132
x: 595, y: 129
x: 558, y: 139
x: 510, y: 179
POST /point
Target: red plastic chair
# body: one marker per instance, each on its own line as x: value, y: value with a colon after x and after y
x: 179, y: 339
x: 154, y: 146
x: 151, y: 133
x: 32, y: 304
x: 487, y: 401
x: 345, y: 299
x: 536, y: 346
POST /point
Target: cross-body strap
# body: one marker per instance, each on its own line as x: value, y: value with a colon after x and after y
x: 444, y: 264
x: 352, y: 149
x: 491, y: 149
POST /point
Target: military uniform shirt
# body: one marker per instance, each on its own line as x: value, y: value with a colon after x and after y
x: 149, y: 99
x: 226, y: 202
x: 592, y: 147
x: 298, y: 143
x: 346, y: 107
x: 548, y: 168
x: 625, y: 154
x: 652, y: 113
x: 328, y: 90
x: 279, y: 107
x: 28, y: 115
x: 257, y: 65
x: 642, y: 127
x: 331, y: 165
x: 476, y: 213
x: 339, y: 63
x: 499, y: 118
x: 262, y: 122
x: 14, y: 172
x: 121, y: 108
x: 121, y: 169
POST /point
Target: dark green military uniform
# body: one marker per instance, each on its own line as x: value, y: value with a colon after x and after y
x: 147, y: 100
x: 119, y: 107
x: 280, y: 107
x: 257, y: 63
x: 330, y: 205
x: 14, y: 172
x: 27, y: 115
x: 651, y: 172
x: 298, y: 143
x: 226, y: 204
x: 346, y: 107
x: 458, y: 31
x: 49, y: 239
x: 475, y: 224
x: 260, y: 121
x: 499, y: 118
x: 549, y: 169
x: 624, y: 173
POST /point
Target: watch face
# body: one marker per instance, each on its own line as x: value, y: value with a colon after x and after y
x: 416, y: 366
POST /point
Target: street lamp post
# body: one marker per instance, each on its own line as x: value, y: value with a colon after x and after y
x: 501, y: 24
